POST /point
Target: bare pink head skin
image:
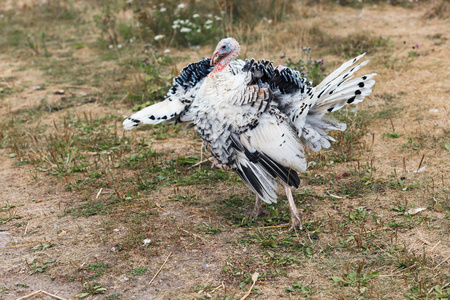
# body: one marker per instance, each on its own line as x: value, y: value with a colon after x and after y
x: 227, y: 50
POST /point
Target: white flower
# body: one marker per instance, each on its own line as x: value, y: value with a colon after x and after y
x: 131, y: 40
x: 208, y: 22
x: 147, y: 241
x: 195, y: 16
x: 217, y: 18
x: 185, y: 29
x: 158, y: 37
x: 167, y: 51
x: 111, y: 46
x: 198, y: 30
x: 162, y: 9
x: 175, y: 26
x: 209, y: 15
x: 181, y: 6
x: 119, y: 46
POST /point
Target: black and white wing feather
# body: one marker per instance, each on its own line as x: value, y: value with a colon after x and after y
x: 177, y: 100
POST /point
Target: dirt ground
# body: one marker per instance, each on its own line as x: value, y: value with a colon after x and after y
x: 34, y: 203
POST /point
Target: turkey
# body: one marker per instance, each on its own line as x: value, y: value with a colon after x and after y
x: 256, y: 118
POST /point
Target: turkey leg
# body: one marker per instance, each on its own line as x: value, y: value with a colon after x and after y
x: 296, y: 221
x: 258, y: 210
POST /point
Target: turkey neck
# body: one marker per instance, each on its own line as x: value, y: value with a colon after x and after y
x: 226, y: 60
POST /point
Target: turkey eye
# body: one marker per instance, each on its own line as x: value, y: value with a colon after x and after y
x: 223, y: 47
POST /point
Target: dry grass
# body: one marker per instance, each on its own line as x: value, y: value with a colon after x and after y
x: 90, y: 210
x: 438, y: 9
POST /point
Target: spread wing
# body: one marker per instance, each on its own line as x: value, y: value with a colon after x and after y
x: 177, y: 100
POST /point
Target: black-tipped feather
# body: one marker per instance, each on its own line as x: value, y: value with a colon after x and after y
x: 262, y: 71
x: 287, y: 175
x: 251, y: 179
x: 192, y: 74
x: 275, y: 169
x: 287, y: 81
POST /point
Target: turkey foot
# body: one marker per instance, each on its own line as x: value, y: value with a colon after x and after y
x: 257, y: 211
x: 296, y: 220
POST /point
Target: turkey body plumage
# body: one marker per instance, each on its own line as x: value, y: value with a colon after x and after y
x: 257, y: 119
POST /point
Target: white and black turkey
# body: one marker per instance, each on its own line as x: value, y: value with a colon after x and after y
x: 255, y: 118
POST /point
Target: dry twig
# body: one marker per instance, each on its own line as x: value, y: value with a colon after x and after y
x: 18, y: 246
x: 263, y: 227
x: 222, y: 285
x: 254, y: 279
x: 160, y: 268
x: 26, y: 228
x: 41, y: 292
x: 441, y: 262
x: 432, y: 249
x: 199, y: 213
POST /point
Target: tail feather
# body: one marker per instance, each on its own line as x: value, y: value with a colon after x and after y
x: 338, y: 89
x: 335, y: 74
x: 315, y: 132
x: 349, y: 92
x: 165, y: 111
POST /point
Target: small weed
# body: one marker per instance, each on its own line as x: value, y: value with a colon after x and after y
x: 208, y: 228
x: 447, y: 146
x: 4, y: 289
x: 441, y: 291
x: 7, y: 207
x: 96, y: 270
x: 393, y: 135
x: 92, y: 208
x: 356, y: 278
x: 413, y: 144
x: 312, y: 70
x: 400, y: 183
x: 96, y: 266
x: 299, y: 289
x: 43, y: 246
x: 114, y: 296
x: 40, y: 267
x: 11, y: 216
x: 413, y: 54
x: 91, y: 289
x: 139, y: 271
x: 202, y: 288
x: 358, y: 43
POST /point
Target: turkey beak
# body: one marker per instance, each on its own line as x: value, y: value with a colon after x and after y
x: 214, y: 58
